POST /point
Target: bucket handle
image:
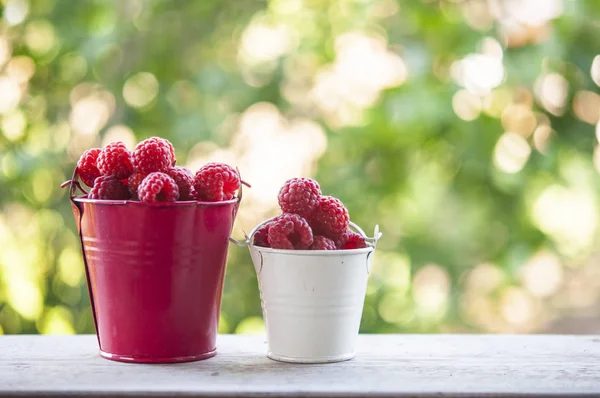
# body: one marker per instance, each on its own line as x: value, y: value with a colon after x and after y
x: 248, y: 241
x: 74, y: 184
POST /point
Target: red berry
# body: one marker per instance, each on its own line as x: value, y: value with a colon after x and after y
x: 87, y: 166
x: 261, y: 236
x: 133, y: 183
x: 300, y: 196
x: 193, y: 194
x: 330, y: 218
x: 171, y: 151
x: 115, y: 160
x: 108, y: 187
x: 184, y: 179
x: 290, y: 231
x: 158, y: 187
x: 350, y: 240
x: 152, y: 155
x: 322, y: 243
x: 216, y: 181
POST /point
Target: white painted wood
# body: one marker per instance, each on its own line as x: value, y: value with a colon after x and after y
x: 385, y: 365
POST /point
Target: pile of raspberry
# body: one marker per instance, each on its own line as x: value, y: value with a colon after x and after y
x: 309, y: 221
x: 149, y: 174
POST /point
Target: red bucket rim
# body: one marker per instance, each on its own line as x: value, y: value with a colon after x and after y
x: 136, y: 203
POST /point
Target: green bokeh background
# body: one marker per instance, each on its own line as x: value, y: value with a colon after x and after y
x: 485, y: 191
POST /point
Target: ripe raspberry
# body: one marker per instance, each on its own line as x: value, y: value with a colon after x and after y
x: 108, y: 187
x: 171, y: 151
x: 322, y: 243
x: 133, y: 182
x: 151, y: 155
x: 184, y: 179
x: 87, y: 166
x: 290, y: 231
x: 216, y: 181
x: 350, y: 240
x: 115, y: 160
x: 158, y: 187
x: 300, y: 196
x: 261, y: 236
x: 194, y: 195
x: 330, y: 218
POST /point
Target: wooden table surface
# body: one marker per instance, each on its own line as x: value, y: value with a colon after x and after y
x: 385, y: 365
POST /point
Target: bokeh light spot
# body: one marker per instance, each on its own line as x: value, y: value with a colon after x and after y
x: 40, y: 37
x: 551, y: 91
x: 484, y: 279
x: 568, y: 216
x: 56, y: 320
x: 140, y: 89
x: 478, y: 73
x: 10, y: 94
x: 519, y: 119
x: 251, y: 325
x: 13, y: 125
x: 541, y: 138
x: 10, y: 166
x: 395, y: 308
x: 24, y: 296
x: 5, y: 50
x: 595, y: 70
x: 466, y: 105
x: 516, y: 306
x: 120, y: 133
x: 21, y: 68
x: 542, y: 274
x: 91, y: 109
x: 431, y: 289
x: 43, y: 184
x: 15, y: 11
x: 586, y: 106
x: 70, y: 267
x: 223, y: 324
x: 264, y: 43
x: 511, y: 153
x: 72, y: 67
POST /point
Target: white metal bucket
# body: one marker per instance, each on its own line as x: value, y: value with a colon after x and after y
x: 312, y: 301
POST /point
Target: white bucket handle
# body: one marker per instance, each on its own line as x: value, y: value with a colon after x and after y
x: 376, y: 234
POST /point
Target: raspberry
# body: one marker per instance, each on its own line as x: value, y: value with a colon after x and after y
x: 184, y: 180
x: 115, y: 160
x: 216, y: 181
x: 330, y: 218
x: 108, y: 187
x: 133, y: 182
x: 151, y: 155
x: 158, y: 187
x: 322, y: 243
x: 193, y: 194
x: 300, y: 196
x: 350, y: 240
x: 290, y: 231
x: 87, y: 166
x: 261, y: 236
x: 171, y: 151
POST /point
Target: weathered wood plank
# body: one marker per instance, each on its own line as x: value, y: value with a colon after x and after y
x: 386, y: 365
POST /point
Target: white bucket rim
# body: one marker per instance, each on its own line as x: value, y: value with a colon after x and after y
x: 313, y: 252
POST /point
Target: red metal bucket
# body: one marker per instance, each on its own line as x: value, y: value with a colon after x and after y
x: 155, y: 275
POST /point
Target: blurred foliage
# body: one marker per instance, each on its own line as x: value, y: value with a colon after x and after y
x: 465, y: 128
